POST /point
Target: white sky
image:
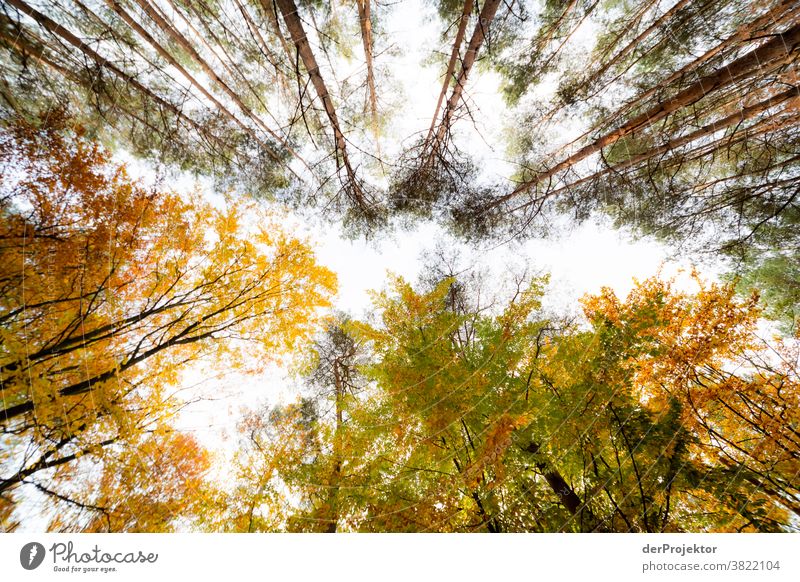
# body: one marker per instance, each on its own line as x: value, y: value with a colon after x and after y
x: 590, y: 257
x: 582, y: 262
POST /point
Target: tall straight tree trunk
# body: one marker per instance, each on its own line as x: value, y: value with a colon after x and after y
x: 781, y: 47
x: 451, y: 65
x: 792, y: 96
x: 744, y: 34
x: 476, y: 42
x: 303, y: 47
x: 297, y: 33
x: 116, y: 6
x: 25, y: 48
x: 365, y: 22
x: 176, y: 36
x: 58, y: 30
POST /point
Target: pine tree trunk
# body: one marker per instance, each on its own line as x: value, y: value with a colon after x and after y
x: 476, y: 41
x: 745, y: 33
x: 451, y: 65
x: 792, y: 95
x: 365, y: 23
x: 779, y: 48
x: 297, y: 33
x: 69, y: 37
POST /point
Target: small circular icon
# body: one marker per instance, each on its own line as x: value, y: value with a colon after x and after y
x: 31, y: 555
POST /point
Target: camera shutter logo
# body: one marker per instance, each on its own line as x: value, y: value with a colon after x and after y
x: 31, y: 555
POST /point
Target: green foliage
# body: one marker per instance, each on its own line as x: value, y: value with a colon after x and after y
x: 471, y: 418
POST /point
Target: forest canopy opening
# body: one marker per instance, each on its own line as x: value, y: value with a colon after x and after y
x: 458, y: 397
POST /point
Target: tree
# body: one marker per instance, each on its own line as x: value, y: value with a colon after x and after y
x: 453, y: 406
x: 111, y: 289
x: 693, y: 146
x: 435, y: 170
x: 677, y: 346
x: 352, y: 186
x: 298, y: 467
x: 136, y: 102
x: 147, y: 485
x: 365, y: 23
x: 492, y: 417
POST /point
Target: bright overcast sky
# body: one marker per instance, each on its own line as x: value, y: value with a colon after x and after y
x: 581, y: 261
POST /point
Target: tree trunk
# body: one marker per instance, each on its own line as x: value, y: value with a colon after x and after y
x: 745, y: 33
x: 120, y: 11
x: 176, y: 36
x: 478, y: 36
x: 564, y: 492
x: 298, y: 35
x: 781, y: 47
x: 640, y: 37
x: 792, y: 95
x: 365, y: 22
x: 451, y: 65
x: 58, y: 30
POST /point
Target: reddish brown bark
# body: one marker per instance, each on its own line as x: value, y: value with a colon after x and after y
x: 782, y: 47
x: 451, y: 65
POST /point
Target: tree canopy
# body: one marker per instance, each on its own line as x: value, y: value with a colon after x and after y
x: 453, y: 403
x: 111, y: 289
x: 457, y: 416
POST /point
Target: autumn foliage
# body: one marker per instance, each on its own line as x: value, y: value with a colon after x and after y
x: 664, y: 414
x: 462, y: 401
x: 111, y: 289
x: 448, y: 409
